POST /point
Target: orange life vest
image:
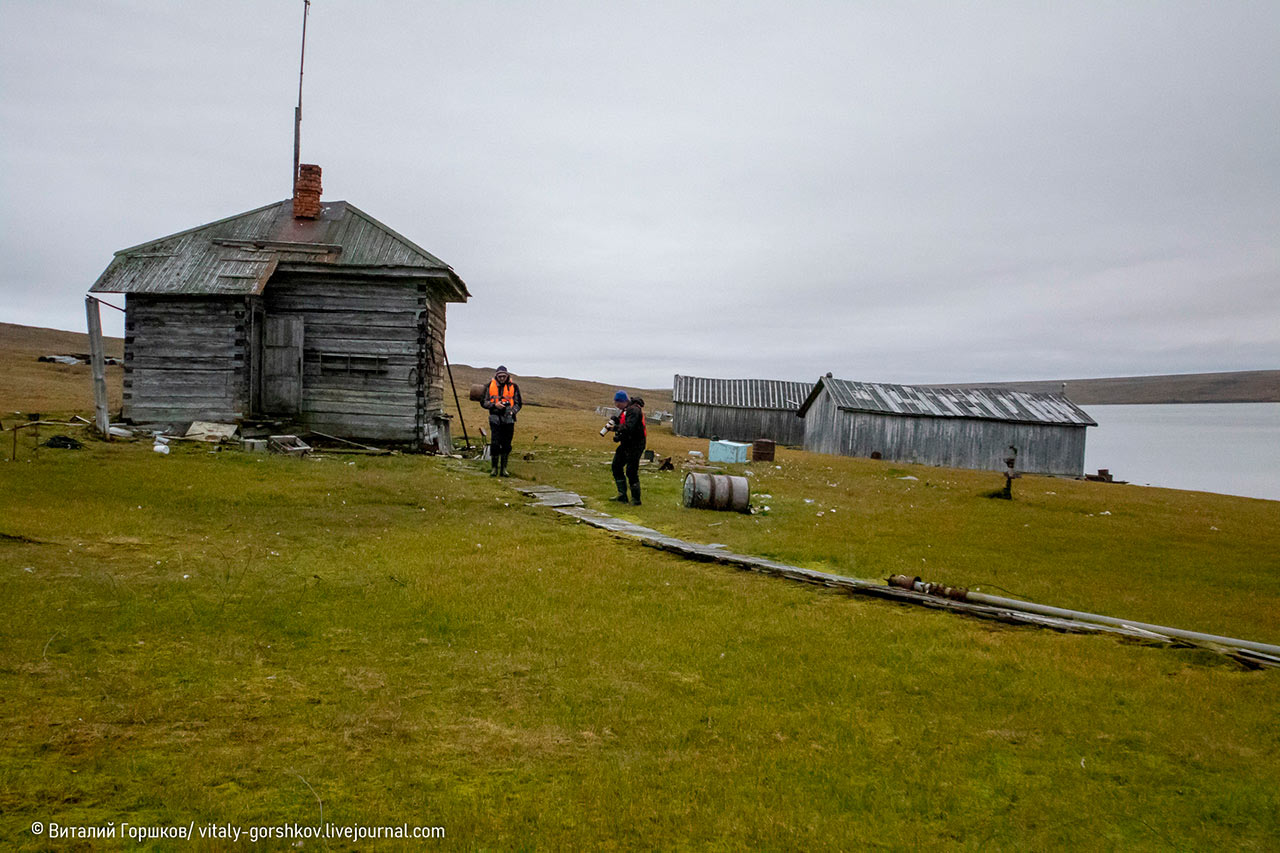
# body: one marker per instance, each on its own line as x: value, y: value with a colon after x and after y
x: 507, y: 394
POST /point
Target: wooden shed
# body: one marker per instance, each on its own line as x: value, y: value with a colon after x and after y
x: 952, y: 427
x: 739, y: 409
x: 309, y: 311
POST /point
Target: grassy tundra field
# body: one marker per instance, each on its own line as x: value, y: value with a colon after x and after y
x: 218, y: 637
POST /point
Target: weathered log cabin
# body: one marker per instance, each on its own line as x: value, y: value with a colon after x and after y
x: 309, y: 311
x: 739, y: 409
x: 952, y: 427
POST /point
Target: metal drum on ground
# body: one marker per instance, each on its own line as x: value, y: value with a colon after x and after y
x: 717, y: 491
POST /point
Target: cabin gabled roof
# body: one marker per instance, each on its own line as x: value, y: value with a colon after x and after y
x: 237, y: 255
x: 998, y: 404
x: 740, y: 393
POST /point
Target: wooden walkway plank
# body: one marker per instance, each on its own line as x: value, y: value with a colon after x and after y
x: 570, y: 504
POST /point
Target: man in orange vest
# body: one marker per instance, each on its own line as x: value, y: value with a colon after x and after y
x: 502, y: 399
x: 630, y: 433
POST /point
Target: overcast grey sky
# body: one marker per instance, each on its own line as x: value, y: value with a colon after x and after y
x: 900, y: 192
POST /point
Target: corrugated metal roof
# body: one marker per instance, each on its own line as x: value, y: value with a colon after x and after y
x: 983, y: 403
x: 741, y: 393
x: 236, y: 256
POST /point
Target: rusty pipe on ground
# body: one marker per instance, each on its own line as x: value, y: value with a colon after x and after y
x: 955, y: 593
x: 962, y: 594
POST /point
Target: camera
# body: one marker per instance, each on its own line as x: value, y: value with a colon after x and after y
x: 610, y: 425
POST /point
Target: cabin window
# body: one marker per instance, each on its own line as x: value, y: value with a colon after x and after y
x: 346, y: 364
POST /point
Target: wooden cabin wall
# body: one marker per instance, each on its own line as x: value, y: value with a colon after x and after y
x: 950, y: 442
x: 186, y: 358
x: 361, y: 354
x: 736, y: 424
x: 434, y: 354
x: 436, y: 430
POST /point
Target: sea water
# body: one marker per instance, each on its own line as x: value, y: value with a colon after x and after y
x: 1230, y: 448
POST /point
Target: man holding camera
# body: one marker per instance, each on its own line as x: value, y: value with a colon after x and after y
x: 502, y: 399
x: 630, y: 433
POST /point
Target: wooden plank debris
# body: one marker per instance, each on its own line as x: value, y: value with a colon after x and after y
x: 367, y: 448
x: 550, y: 496
x: 209, y: 431
x: 289, y: 445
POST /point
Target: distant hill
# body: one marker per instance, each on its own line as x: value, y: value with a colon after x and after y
x: 559, y: 392
x: 28, y: 385
x: 1241, y: 386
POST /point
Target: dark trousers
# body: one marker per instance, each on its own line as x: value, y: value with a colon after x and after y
x: 626, y: 465
x: 500, y: 440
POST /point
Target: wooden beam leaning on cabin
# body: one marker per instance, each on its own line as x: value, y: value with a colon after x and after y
x: 97, y: 360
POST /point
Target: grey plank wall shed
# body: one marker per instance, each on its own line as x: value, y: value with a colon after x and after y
x: 336, y: 323
x: 957, y: 428
x: 739, y: 409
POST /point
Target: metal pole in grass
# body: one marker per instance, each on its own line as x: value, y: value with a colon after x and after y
x: 461, y: 419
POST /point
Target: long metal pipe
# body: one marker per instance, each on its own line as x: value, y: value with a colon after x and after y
x: 1082, y: 616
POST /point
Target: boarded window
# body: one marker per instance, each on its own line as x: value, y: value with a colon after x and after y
x: 346, y: 364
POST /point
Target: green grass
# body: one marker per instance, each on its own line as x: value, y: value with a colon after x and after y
x: 1187, y: 559
x: 236, y: 638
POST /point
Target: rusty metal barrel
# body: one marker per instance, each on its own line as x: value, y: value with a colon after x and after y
x: 477, y: 392
x: 717, y: 491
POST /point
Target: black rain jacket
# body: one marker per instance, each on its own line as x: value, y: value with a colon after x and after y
x: 631, y: 430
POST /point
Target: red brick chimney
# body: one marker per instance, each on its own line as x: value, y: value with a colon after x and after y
x: 306, y: 193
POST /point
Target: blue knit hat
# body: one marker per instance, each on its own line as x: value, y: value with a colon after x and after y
x: 620, y: 397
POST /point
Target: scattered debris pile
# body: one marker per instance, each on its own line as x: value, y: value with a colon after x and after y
x: 75, y: 358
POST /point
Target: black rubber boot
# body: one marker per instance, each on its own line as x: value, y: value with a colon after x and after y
x: 635, y: 494
x: 622, y: 491
x: 504, y: 471
x: 493, y: 465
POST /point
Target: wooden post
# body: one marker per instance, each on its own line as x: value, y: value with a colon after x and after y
x: 98, y: 360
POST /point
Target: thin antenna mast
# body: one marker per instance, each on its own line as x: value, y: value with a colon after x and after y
x: 297, y: 111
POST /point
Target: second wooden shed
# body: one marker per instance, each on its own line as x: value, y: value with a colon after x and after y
x: 739, y: 409
x: 952, y: 427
